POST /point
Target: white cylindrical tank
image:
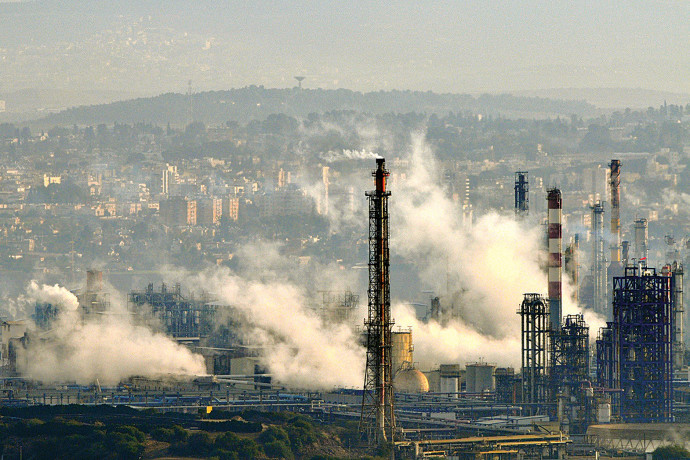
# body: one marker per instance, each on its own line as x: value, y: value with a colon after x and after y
x: 448, y: 385
x: 480, y: 378
x: 449, y: 379
x: 401, y: 349
x: 604, y: 412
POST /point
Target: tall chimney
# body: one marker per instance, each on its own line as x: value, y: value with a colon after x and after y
x: 615, y: 183
x: 555, y: 250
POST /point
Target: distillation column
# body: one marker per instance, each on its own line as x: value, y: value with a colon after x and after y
x: 599, y: 261
x: 521, y: 193
x: 641, y: 239
x: 678, y: 316
x: 571, y: 265
x: 614, y: 183
x: 555, y: 257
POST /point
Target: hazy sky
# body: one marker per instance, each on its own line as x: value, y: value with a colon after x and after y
x: 459, y: 46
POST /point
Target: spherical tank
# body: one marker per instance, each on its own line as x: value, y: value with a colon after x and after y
x: 411, y: 381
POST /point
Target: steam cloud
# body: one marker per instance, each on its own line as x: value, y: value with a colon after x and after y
x: 108, y: 348
x: 482, y: 270
x: 346, y: 154
x: 299, y: 349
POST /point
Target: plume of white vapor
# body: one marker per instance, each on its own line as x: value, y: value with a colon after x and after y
x: 481, y: 270
x: 455, y: 342
x: 486, y: 267
x: 106, y: 348
x: 346, y: 154
x: 299, y: 350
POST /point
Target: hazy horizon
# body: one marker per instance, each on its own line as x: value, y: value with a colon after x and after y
x: 150, y: 47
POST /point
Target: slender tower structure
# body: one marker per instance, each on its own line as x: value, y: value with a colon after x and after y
x: 678, y: 316
x: 571, y: 264
x: 598, y: 260
x: 641, y: 239
x: 555, y: 257
x: 378, y: 418
x: 521, y: 193
x: 614, y: 184
x: 625, y: 253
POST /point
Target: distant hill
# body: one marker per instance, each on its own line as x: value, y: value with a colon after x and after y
x: 28, y: 104
x: 611, y: 98
x: 257, y: 102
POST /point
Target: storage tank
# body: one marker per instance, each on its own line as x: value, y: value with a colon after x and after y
x: 449, y: 379
x: 480, y: 377
x: 410, y: 381
x: 401, y: 349
x: 604, y: 412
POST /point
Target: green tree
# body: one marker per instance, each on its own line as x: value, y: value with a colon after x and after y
x: 670, y: 453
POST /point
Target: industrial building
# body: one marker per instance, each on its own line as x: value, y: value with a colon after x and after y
x: 481, y: 410
x: 338, y: 307
x: 534, y: 320
x: 634, y: 351
x: 183, y: 318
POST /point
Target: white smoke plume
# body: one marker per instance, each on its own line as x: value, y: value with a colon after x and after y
x: 347, y: 154
x: 299, y: 349
x: 107, y: 348
x: 482, y: 270
x: 455, y: 342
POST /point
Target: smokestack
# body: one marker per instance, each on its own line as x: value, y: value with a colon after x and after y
x: 615, y: 182
x: 555, y: 249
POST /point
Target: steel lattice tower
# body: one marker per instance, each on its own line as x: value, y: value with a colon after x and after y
x: 635, y: 352
x: 378, y: 418
x: 534, y: 318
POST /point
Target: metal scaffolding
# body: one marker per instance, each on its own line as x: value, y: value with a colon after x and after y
x: 180, y: 316
x: 569, y: 371
x: 640, y: 344
x: 521, y: 193
x: 378, y: 419
x: 570, y: 354
x: 534, y: 317
x: 338, y: 307
x: 604, y: 350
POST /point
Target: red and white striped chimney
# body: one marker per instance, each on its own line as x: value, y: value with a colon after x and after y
x: 555, y: 206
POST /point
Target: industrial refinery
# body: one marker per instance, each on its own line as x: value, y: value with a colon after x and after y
x: 577, y: 390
